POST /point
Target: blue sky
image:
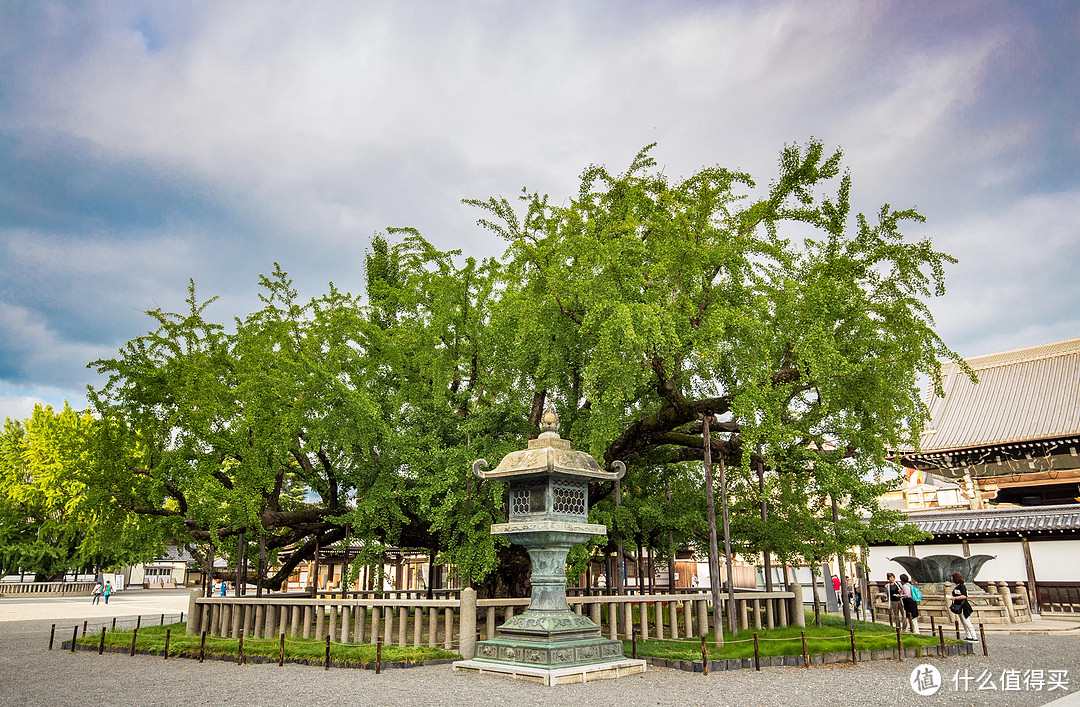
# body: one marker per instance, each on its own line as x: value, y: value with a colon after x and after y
x: 144, y: 143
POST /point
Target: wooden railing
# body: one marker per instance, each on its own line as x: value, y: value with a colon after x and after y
x: 10, y: 588
x: 456, y: 622
x: 1059, y: 597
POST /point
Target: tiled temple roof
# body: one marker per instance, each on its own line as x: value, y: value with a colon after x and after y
x: 1035, y: 519
x: 1022, y: 395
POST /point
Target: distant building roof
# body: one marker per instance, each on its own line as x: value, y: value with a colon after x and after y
x: 1022, y: 395
x: 1038, y: 519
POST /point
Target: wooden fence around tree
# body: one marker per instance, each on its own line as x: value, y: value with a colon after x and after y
x: 446, y: 622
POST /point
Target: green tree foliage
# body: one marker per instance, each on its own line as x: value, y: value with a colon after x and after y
x: 48, y: 522
x: 636, y: 307
x: 645, y: 303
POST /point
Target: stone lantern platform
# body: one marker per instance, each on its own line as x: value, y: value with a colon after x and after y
x: 548, y: 487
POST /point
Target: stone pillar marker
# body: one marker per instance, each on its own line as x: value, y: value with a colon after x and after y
x: 548, y: 489
x: 194, y: 617
x: 468, y: 618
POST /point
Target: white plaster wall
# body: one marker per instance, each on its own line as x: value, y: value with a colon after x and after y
x: 1056, y: 560
x: 1008, y: 565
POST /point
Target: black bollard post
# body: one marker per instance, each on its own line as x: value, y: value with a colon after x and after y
x: 327, y: 661
x: 941, y: 639
x: 74, y: 637
x: 378, y: 656
x: 52, y: 635
x: 281, y: 652
x: 899, y: 646
x: 168, y: 632
x: 982, y: 637
x: 202, y: 647
x: 805, y: 653
x: 162, y: 620
x: 84, y: 628
x: 633, y: 643
x: 757, y: 654
x: 134, y: 634
x: 101, y: 643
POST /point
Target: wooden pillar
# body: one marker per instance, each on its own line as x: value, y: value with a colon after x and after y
x: 1032, y: 587
x: 448, y: 628
x: 320, y: 622
x: 359, y: 623
x: 236, y: 618
x: 376, y: 620
x: 967, y: 548
x: 346, y: 623
x: 260, y: 620
x: 309, y: 610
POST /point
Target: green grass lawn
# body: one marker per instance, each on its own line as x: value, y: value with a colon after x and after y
x: 181, y: 645
x: 832, y: 637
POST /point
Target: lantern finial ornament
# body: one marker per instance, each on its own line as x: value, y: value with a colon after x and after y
x: 549, y: 421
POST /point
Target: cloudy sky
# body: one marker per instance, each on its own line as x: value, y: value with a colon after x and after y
x: 143, y: 143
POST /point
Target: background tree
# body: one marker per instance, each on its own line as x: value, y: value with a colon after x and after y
x: 48, y: 524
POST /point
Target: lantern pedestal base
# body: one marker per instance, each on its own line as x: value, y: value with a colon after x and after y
x: 608, y: 670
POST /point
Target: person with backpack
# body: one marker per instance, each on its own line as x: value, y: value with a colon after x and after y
x: 895, y: 592
x: 911, y: 604
x: 97, y: 594
x: 107, y: 592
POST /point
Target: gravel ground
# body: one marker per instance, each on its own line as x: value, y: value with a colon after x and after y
x: 30, y: 674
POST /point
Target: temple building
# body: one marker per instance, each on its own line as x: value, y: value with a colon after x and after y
x: 998, y: 472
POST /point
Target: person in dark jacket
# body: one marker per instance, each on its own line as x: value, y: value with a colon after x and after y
x: 895, y: 593
x: 961, y: 606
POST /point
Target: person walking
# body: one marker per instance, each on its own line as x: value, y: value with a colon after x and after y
x: 896, y: 596
x: 107, y: 591
x: 961, y: 606
x: 911, y: 607
x: 96, y: 593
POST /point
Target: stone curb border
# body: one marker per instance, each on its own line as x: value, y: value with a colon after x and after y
x: 66, y: 646
x: 796, y: 661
